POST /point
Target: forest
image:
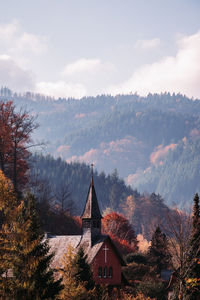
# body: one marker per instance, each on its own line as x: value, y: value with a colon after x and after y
x: 40, y: 194
x: 144, y: 138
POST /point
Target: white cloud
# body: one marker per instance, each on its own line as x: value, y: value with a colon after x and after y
x: 7, y: 31
x: 4, y: 57
x: 81, y: 66
x: 17, y: 52
x: 147, y: 44
x: 92, y: 74
x: 180, y: 73
x: 61, y: 89
x: 20, y: 45
x: 13, y: 76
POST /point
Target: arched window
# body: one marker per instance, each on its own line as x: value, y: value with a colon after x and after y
x: 100, y: 272
x: 110, y: 273
x: 105, y: 272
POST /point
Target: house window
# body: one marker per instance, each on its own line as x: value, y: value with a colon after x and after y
x: 100, y: 272
x: 110, y: 273
x: 105, y: 272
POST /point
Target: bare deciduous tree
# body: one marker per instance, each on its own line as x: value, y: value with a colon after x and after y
x: 64, y: 201
x: 178, y: 228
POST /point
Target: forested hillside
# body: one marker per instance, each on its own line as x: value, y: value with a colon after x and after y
x: 143, y: 211
x: 135, y: 135
x: 176, y: 177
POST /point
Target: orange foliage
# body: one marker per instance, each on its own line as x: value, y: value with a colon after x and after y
x: 78, y: 221
x: 122, y: 245
x: 15, y: 130
x: 121, y: 231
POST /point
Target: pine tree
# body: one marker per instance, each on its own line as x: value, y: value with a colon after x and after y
x: 158, y: 255
x: 193, y: 278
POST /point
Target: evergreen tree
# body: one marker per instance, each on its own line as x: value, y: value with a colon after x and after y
x: 158, y: 255
x: 193, y: 280
x: 8, y: 204
x: 76, y: 277
x: 25, y: 271
x: 73, y: 289
x: 34, y: 279
x: 81, y: 270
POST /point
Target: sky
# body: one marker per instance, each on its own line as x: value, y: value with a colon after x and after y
x: 77, y: 48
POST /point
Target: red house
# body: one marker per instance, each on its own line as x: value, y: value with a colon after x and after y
x: 102, y: 255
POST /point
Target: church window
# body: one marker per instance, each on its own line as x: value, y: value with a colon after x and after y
x: 105, y: 272
x: 100, y: 272
x: 110, y: 273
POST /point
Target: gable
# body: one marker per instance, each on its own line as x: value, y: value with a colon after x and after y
x: 106, y: 265
x: 107, y: 253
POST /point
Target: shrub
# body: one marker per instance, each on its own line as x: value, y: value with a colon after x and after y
x: 136, y: 257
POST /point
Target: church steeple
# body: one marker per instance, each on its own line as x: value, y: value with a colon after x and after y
x: 91, y: 217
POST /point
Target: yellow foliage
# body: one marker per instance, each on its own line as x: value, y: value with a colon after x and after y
x: 71, y: 290
x: 7, y: 196
x: 193, y: 282
x: 129, y: 207
x: 139, y: 296
x: 143, y: 244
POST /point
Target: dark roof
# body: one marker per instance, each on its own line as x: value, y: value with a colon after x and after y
x: 91, y: 210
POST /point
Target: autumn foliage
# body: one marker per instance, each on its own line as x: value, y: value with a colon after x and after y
x: 15, y: 139
x: 25, y: 271
x: 121, y: 232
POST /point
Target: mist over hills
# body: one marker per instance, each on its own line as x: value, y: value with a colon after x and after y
x: 152, y: 141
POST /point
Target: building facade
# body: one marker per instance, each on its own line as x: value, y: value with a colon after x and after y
x: 101, y: 253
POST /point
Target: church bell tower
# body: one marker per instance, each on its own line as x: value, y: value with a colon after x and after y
x: 91, y: 217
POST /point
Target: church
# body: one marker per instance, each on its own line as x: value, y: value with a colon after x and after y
x: 102, y: 255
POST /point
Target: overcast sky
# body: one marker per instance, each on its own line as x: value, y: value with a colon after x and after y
x: 74, y: 48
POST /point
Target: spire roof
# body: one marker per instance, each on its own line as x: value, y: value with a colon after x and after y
x: 91, y: 210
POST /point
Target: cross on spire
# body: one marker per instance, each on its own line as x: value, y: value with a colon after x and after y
x: 92, y: 167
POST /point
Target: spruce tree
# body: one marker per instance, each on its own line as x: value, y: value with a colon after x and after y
x: 34, y: 278
x: 81, y: 270
x: 158, y: 254
x: 73, y: 289
x: 25, y: 271
x: 193, y: 277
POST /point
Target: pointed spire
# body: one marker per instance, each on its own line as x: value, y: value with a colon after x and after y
x: 91, y: 210
x: 92, y: 180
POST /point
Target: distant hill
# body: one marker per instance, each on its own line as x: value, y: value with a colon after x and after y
x: 126, y: 132
x: 177, y: 176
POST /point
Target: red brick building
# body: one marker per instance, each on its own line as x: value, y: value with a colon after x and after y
x: 102, y: 255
